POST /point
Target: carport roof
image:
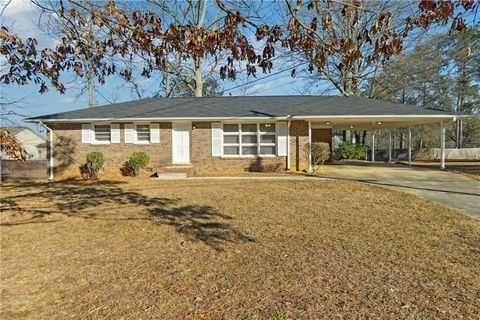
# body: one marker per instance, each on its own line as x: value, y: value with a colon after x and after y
x: 258, y: 107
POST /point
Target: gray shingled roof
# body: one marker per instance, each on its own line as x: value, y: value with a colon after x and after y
x: 14, y: 130
x: 233, y: 107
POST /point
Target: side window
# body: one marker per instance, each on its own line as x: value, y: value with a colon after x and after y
x: 143, y: 133
x: 102, y: 133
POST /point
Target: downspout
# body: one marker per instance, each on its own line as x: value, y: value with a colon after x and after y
x: 50, y: 150
x: 288, y: 141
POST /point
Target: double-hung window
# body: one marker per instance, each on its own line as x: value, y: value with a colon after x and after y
x: 231, y: 139
x: 143, y: 133
x: 267, y: 139
x: 249, y: 139
x: 102, y: 133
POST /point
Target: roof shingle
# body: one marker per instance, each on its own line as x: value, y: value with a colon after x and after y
x: 237, y: 107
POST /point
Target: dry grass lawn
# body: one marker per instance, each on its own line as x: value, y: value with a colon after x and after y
x: 143, y: 249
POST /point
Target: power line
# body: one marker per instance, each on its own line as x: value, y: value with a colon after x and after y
x: 266, y: 77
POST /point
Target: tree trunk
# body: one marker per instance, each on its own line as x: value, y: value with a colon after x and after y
x: 357, y: 138
x: 364, y: 137
x: 167, y: 78
x: 461, y: 132
x: 198, y: 79
x: 401, y: 140
x: 460, y: 102
x: 90, y: 87
x: 420, y: 143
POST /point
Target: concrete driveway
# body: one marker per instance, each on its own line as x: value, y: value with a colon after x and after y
x: 446, y: 188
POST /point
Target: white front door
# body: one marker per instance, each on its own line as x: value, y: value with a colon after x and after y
x: 181, y: 142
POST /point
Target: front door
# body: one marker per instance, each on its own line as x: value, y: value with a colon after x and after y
x: 181, y: 142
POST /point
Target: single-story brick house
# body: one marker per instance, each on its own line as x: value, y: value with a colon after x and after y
x: 218, y: 134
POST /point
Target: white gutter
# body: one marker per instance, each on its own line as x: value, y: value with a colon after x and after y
x: 329, y: 117
x: 153, y: 119
x: 50, y: 153
x: 376, y: 116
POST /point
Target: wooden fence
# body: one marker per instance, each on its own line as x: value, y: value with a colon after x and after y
x: 30, y: 169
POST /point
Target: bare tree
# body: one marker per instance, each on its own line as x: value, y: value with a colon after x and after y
x: 195, y: 41
x: 317, y: 154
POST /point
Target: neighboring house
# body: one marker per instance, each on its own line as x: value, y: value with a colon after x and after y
x: 34, y: 144
x: 220, y: 134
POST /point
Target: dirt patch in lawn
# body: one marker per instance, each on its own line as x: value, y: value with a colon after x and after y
x: 143, y: 249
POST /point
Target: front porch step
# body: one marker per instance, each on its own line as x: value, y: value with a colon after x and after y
x: 170, y: 176
x: 183, y: 169
x: 178, y: 166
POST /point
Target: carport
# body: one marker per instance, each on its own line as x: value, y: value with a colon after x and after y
x: 318, y: 125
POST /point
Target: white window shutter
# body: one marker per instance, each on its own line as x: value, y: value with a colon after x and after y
x: 282, y: 137
x: 115, y: 133
x: 217, y: 137
x: 86, y: 133
x: 129, y: 133
x: 154, y: 133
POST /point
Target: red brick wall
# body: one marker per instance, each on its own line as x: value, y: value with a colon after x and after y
x: 298, y: 145
x: 70, y: 153
x: 323, y: 135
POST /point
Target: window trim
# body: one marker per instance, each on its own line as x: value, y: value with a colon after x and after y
x: 258, y: 144
x: 94, y: 137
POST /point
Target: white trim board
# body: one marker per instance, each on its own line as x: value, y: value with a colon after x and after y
x: 319, y: 117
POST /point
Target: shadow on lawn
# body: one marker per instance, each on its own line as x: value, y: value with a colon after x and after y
x: 106, y: 200
x: 201, y: 223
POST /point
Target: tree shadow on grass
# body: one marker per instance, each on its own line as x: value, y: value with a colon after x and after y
x: 76, y: 199
x: 201, y: 223
x: 107, y: 200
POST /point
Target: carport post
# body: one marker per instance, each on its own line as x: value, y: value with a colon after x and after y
x: 409, y: 146
x: 373, y: 146
x: 389, y: 145
x: 442, y: 146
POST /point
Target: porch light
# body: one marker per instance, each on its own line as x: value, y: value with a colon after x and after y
x: 328, y: 123
x: 268, y: 125
x: 351, y: 127
x: 379, y: 122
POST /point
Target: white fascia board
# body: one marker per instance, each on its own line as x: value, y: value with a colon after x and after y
x: 322, y: 117
x: 448, y: 116
x: 153, y: 119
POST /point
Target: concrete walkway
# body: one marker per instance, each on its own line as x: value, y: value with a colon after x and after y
x: 446, y: 188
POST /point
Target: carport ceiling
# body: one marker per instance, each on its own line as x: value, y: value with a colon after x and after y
x: 378, y: 123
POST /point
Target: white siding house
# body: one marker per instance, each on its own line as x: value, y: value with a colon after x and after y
x: 34, y: 144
